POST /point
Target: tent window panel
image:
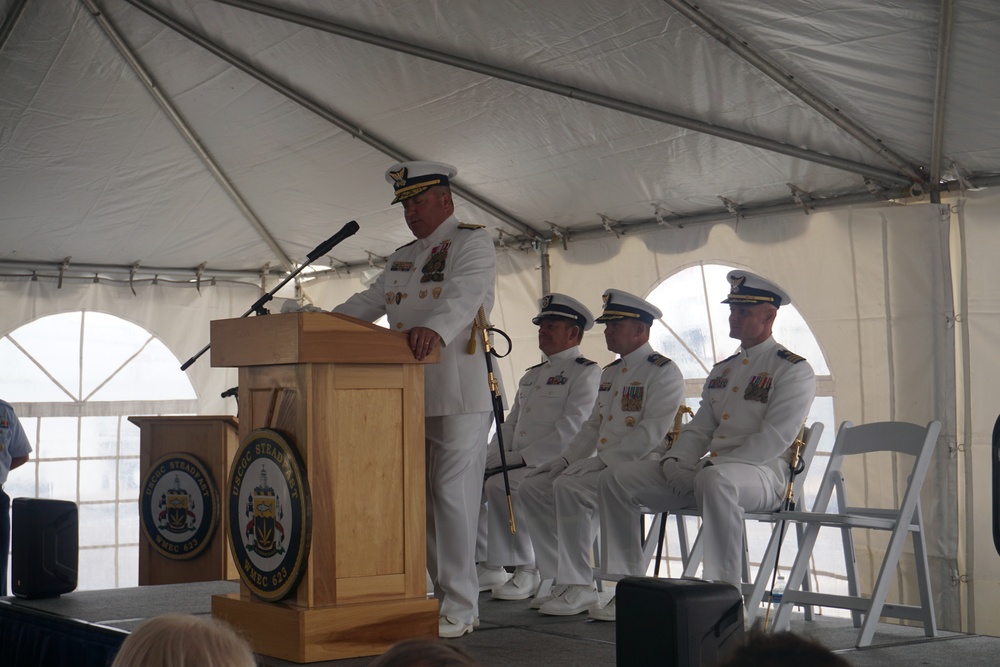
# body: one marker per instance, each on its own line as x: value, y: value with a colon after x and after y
x: 93, y: 366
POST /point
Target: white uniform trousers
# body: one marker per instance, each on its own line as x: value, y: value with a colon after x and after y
x: 504, y: 548
x: 722, y: 492
x: 455, y: 462
x: 563, y: 521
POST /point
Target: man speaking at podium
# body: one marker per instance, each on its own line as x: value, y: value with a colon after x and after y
x: 432, y: 289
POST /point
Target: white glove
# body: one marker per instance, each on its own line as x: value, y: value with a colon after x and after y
x: 492, y: 457
x: 679, y: 475
x: 292, y: 306
x: 583, y: 466
x: 552, y: 468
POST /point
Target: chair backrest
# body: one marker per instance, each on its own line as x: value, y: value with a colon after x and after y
x: 899, y: 437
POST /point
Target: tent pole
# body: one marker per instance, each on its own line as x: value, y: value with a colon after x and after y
x: 789, y: 83
x: 133, y: 60
x: 884, y: 175
x: 12, y: 18
x: 325, y: 113
x: 940, y: 89
x: 543, y: 253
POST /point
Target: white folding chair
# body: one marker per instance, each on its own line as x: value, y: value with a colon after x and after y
x: 755, y: 588
x: 901, y: 438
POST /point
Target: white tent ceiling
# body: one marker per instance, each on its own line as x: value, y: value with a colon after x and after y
x: 180, y: 133
x: 151, y: 137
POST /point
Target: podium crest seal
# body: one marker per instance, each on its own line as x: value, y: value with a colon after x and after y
x: 269, y: 513
x: 179, y: 506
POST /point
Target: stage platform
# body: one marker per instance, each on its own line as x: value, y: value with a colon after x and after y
x: 510, y: 633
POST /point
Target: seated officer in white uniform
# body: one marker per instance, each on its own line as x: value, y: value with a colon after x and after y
x: 553, y: 400
x: 431, y: 290
x: 733, y: 454
x: 636, y: 402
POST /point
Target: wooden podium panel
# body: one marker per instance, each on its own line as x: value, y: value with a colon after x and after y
x: 213, y: 440
x: 349, y: 395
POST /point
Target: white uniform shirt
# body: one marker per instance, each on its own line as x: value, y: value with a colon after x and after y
x: 553, y: 399
x: 752, y: 406
x: 439, y: 282
x: 13, y: 441
x: 636, y: 402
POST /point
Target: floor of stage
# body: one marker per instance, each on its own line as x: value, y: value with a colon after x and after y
x: 511, y: 633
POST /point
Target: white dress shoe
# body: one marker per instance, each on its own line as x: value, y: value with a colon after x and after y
x: 521, y: 586
x: 553, y: 593
x: 576, y: 599
x: 491, y: 577
x: 605, y: 613
x: 449, y: 628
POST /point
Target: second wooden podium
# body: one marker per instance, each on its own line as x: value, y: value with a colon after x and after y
x: 349, y: 396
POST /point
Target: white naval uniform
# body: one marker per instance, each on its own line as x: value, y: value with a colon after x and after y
x: 440, y: 282
x: 753, y: 405
x: 636, y: 403
x: 553, y: 400
x: 13, y: 444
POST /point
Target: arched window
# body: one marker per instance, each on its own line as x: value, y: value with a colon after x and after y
x: 694, y: 333
x: 74, y: 378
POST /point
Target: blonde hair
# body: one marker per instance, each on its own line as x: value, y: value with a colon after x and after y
x: 182, y: 640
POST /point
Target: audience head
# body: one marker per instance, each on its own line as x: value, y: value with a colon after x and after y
x: 424, y: 653
x: 183, y: 640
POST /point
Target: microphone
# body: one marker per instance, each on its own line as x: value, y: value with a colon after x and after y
x: 349, y: 229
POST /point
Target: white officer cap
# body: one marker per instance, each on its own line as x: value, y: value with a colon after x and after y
x: 560, y: 305
x: 619, y: 305
x: 409, y: 179
x: 750, y: 289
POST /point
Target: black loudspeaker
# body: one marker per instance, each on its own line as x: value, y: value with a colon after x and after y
x: 676, y: 622
x: 45, y: 547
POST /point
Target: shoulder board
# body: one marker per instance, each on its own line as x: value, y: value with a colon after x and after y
x: 465, y: 225
x: 732, y: 356
x: 614, y: 363
x: 535, y: 366
x: 790, y: 356
x: 658, y: 359
x: 585, y: 361
x: 405, y: 245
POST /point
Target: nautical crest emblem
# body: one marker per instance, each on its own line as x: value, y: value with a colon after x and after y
x: 736, y: 282
x: 176, y: 509
x: 269, y: 513
x: 178, y: 506
x: 399, y: 177
x: 264, y: 532
x: 546, y: 300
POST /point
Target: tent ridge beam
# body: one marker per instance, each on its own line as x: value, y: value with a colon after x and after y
x: 597, y: 99
x: 12, y: 18
x: 323, y: 112
x: 697, y: 16
x: 185, y: 130
x: 775, y: 208
x: 99, y: 272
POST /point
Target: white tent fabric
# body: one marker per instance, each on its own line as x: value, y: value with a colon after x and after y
x: 128, y: 151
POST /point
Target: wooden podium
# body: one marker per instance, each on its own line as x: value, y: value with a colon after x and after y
x: 350, y: 396
x: 212, y: 440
